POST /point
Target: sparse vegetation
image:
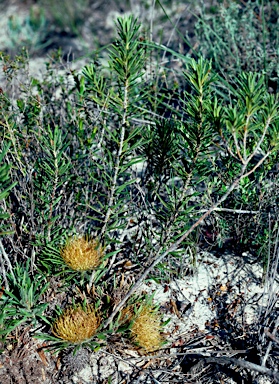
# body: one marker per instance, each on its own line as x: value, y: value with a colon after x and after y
x: 130, y: 164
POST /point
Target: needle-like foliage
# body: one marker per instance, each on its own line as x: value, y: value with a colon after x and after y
x: 136, y: 152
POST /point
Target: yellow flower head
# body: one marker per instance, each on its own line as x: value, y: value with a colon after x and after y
x: 146, y: 329
x: 76, y: 325
x: 82, y: 254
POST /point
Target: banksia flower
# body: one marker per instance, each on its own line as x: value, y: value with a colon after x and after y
x: 82, y: 254
x: 146, y: 329
x: 77, y: 325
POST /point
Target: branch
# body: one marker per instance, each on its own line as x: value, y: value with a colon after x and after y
x: 6, y: 257
x: 232, y: 211
x: 240, y: 363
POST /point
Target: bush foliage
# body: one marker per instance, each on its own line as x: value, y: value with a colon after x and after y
x: 149, y: 162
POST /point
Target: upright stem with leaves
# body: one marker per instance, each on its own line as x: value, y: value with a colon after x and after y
x: 115, y: 151
x: 53, y: 176
x: 127, y: 60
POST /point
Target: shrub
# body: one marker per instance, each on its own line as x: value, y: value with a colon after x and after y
x: 68, y: 16
x: 29, y: 33
x: 93, y: 152
x: 241, y: 36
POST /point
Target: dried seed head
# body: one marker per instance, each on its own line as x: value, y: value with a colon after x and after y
x: 127, y: 315
x: 73, y: 363
x: 82, y: 254
x: 76, y: 325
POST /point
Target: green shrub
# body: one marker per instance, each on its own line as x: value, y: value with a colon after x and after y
x: 29, y: 33
x: 241, y: 36
x: 67, y: 16
x: 93, y: 154
x: 238, y: 37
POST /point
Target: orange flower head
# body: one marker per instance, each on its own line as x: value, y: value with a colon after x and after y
x: 146, y: 329
x: 76, y: 325
x: 82, y: 254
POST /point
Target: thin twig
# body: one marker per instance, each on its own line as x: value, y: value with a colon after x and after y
x: 240, y: 363
x: 6, y: 257
x: 231, y: 352
x: 3, y: 272
x: 244, y: 211
x: 271, y: 335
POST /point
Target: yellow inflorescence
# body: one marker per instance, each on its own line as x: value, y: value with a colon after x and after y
x: 76, y: 325
x: 146, y: 329
x: 82, y: 254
